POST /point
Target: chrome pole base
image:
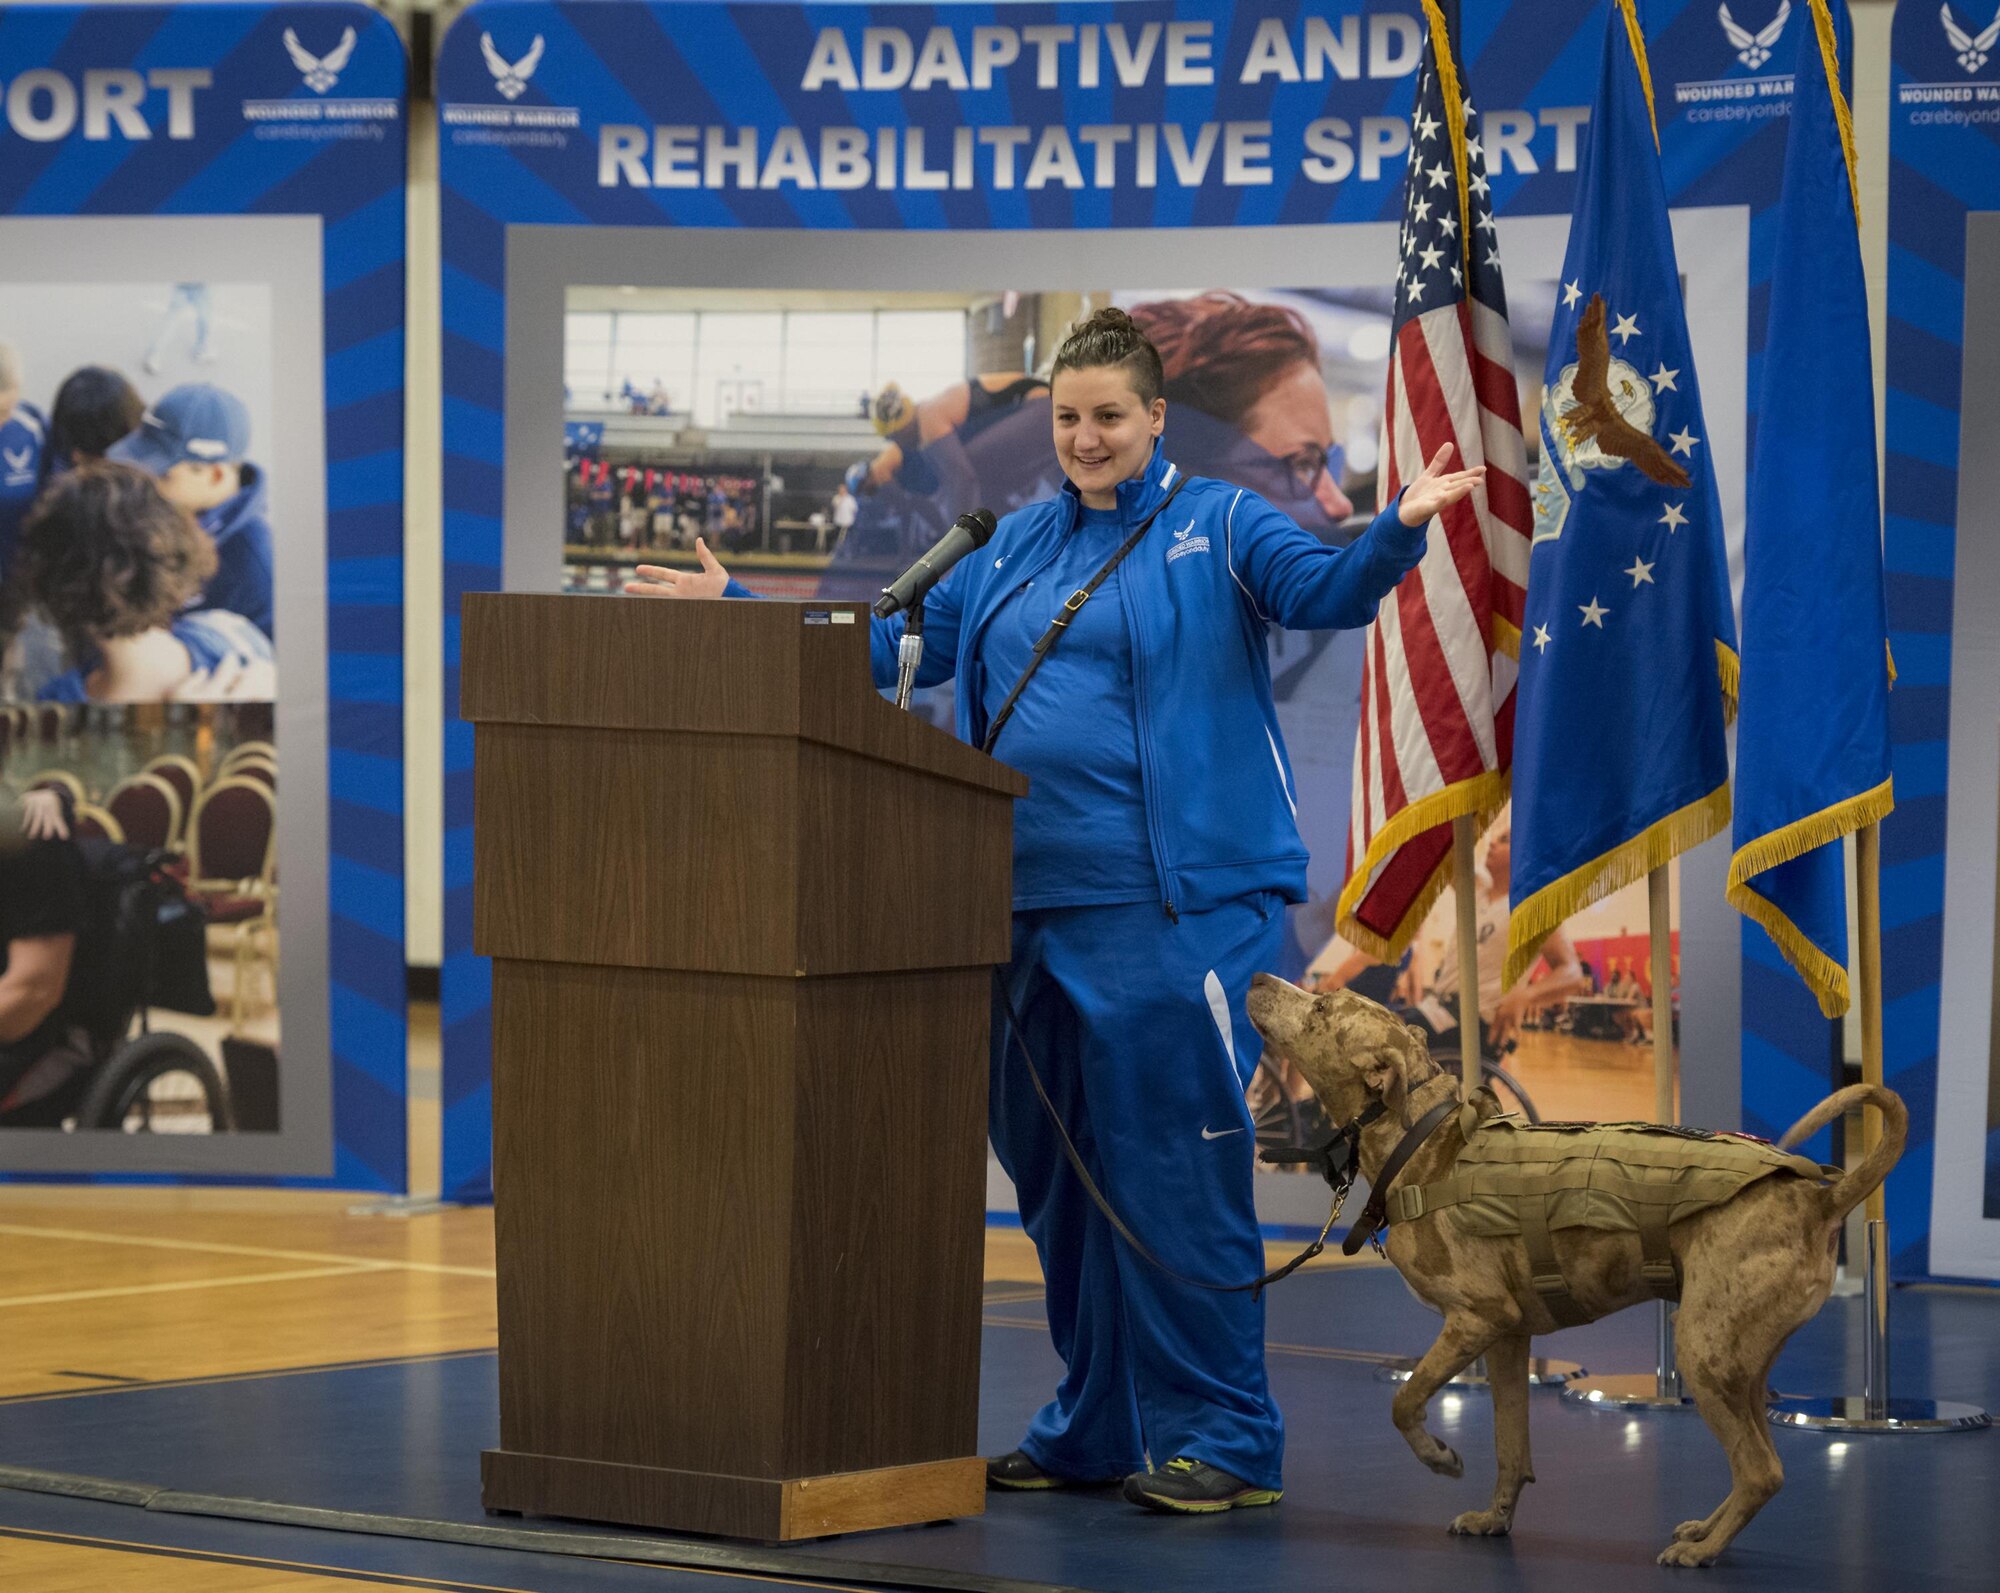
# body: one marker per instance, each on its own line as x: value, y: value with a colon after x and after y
x: 1542, y: 1373
x: 1850, y: 1413
x: 1874, y: 1410
x: 1629, y: 1391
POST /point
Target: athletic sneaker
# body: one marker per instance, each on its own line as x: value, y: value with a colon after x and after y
x: 1018, y: 1473
x: 1194, y: 1487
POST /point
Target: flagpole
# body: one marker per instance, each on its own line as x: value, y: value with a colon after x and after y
x: 1659, y: 907
x: 1868, y: 893
x: 1659, y: 1389
x: 1660, y: 948
x: 1543, y: 1371
x: 1465, y: 886
x: 1874, y: 1410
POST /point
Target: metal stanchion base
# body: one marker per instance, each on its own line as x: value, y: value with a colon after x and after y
x: 403, y: 1206
x: 1541, y: 1374
x: 1629, y: 1391
x: 1848, y: 1413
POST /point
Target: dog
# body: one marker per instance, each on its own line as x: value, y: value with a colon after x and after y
x: 1752, y: 1269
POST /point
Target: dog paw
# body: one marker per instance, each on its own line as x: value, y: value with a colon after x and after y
x: 1482, y: 1524
x: 1690, y: 1529
x: 1443, y: 1460
x: 1691, y: 1551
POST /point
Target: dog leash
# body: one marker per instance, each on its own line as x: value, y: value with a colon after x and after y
x: 1342, y: 1181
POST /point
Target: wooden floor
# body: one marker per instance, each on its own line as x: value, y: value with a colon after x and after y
x: 1575, y: 1080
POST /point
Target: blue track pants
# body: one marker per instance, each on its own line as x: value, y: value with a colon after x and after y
x: 1137, y: 1026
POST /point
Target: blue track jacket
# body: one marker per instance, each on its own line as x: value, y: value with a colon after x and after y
x: 1200, y: 591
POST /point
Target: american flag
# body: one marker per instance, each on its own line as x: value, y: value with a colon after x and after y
x: 1437, y: 684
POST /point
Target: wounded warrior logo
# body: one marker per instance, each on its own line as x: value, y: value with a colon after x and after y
x: 1973, y: 49
x: 323, y: 71
x: 1754, y: 49
x: 1598, y: 416
x: 511, y: 78
x: 1185, y: 542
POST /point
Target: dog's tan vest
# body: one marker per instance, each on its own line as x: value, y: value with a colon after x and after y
x: 1513, y: 1177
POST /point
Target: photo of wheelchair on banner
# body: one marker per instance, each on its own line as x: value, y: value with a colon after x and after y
x: 142, y: 949
x: 1286, y: 1121
x: 95, y: 1059
x: 135, y: 859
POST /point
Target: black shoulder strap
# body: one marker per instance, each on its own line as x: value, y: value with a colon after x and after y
x: 1046, y: 644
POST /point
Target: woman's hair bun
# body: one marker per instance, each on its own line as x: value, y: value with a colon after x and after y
x: 1110, y: 337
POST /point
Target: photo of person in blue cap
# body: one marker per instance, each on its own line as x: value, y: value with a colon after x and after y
x: 195, y: 442
x: 22, y: 436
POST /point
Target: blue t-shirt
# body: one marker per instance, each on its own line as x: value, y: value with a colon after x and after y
x: 21, y: 440
x: 1080, y: 833
x: 211, y: 637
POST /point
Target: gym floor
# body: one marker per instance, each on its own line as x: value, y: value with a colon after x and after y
x: 236, y: 1346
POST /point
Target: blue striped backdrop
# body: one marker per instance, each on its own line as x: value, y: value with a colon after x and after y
x: 1937, y: 173
x: 702, y: 63
x: 357, y: 188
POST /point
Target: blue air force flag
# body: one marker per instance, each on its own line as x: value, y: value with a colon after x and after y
x: 1627, y: 644
x: 1812, y: 759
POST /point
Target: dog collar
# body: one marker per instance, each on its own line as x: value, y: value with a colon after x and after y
x: 1376, y: 1212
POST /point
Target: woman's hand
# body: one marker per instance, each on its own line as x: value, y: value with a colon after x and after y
x: 42, y: 817
x: 1437, y: 488
x: 657, y: 581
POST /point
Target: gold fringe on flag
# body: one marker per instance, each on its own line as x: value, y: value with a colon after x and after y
x: 1454, y: 116
x: 1636, y: 36
x: 1829, y: 54
x: 1482, y: 797
x: 1543, y: 913
x: 1826, y: 977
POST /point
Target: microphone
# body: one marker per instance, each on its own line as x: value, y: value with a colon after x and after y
x: 970, y: 530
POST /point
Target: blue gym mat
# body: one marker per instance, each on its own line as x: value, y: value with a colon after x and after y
x: 402, y: 1439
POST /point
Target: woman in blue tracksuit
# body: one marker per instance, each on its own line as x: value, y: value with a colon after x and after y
x: 1152, y: 859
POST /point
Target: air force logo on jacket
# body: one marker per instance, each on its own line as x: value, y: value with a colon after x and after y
x: 1186, y: 542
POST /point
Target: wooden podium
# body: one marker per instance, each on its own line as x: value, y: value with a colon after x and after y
x: 742, y: 915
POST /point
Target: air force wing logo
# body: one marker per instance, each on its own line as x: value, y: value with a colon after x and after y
x: 1972, y: 48
x: 511, y: 78
x: 321, y: 72
x: 1186, y: 542
x: 1754, y: 49
x: 1599, y: 415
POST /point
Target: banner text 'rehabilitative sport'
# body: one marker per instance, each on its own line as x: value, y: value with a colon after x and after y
x: 1237, y: 153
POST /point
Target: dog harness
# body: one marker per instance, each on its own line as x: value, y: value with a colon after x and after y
x: 1516, y: 1178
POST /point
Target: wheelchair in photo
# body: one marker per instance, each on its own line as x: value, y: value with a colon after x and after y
x: 142, y: 947
x: 1284, y: 1122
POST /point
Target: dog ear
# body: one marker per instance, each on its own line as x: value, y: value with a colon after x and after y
x: 1384, y: 1075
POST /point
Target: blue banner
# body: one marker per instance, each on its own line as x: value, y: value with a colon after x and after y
x: 1938, y: 859
x: 1620, y: 758
x: 1812, y: 759
x: 1138, y: 150
x: 201, y: 299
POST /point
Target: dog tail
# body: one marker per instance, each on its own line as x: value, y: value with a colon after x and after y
x: 1859, y: 1183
